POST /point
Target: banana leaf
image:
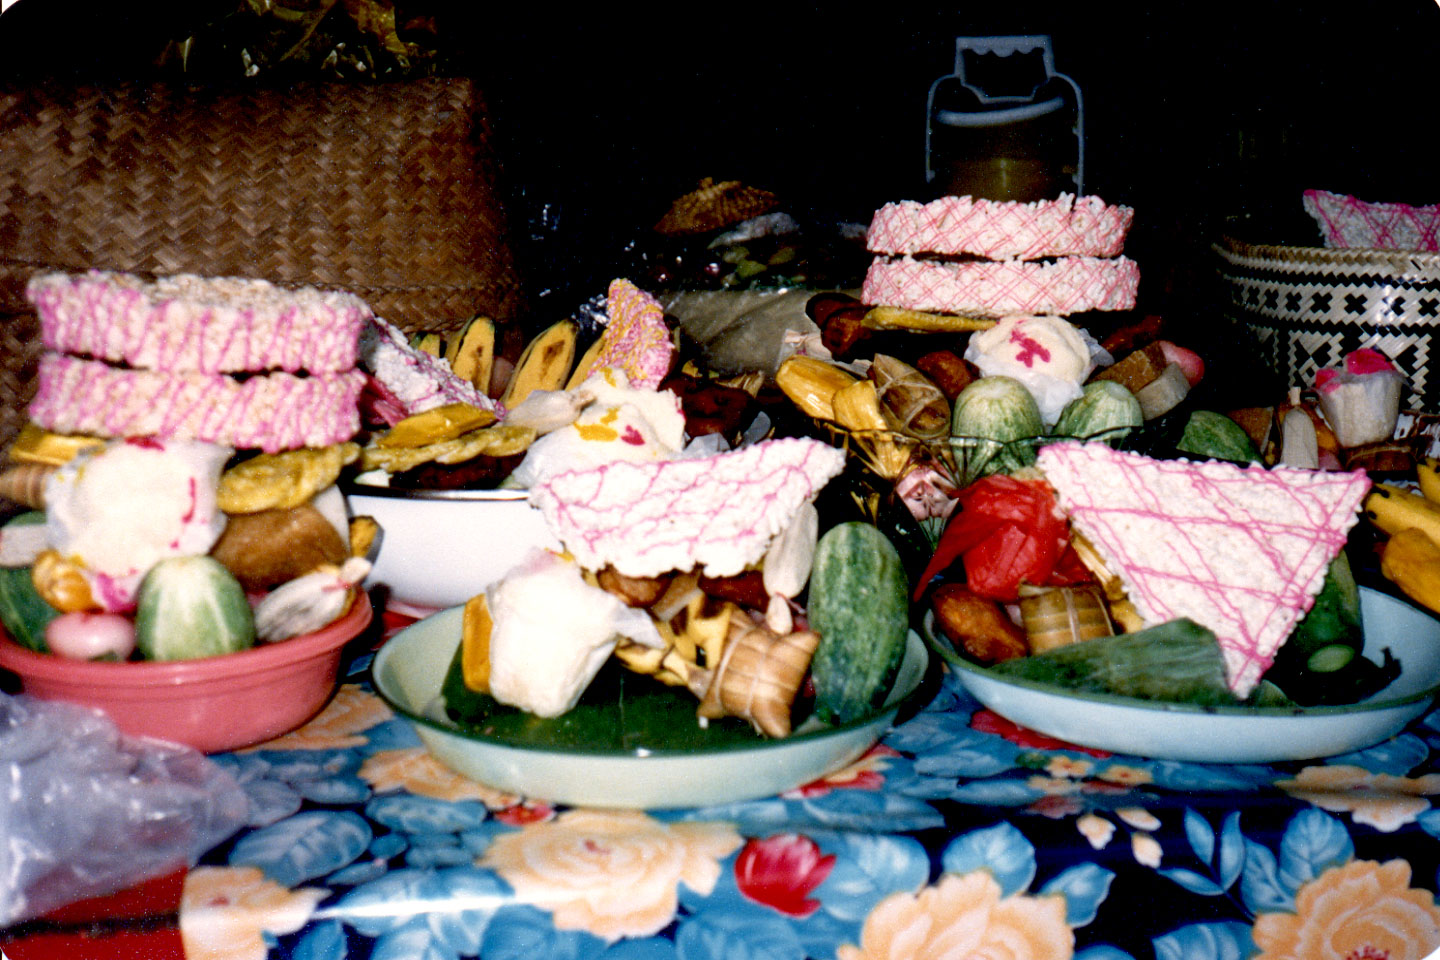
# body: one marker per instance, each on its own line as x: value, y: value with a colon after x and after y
x: 1176, y: 662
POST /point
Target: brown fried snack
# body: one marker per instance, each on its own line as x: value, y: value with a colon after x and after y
x: 709, y: 407
x: 269, y: 547
x: 976, y: 625
x: 746, y: 589
x: 949, y: 371
x: 845, y: 332
x: 635, y: 591
x: 477, y: 473
x: 279, y: 481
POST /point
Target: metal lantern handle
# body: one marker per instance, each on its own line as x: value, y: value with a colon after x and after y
x: 1025, y: 107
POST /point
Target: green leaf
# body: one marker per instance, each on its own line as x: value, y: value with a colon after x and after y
x: 1176, y: 662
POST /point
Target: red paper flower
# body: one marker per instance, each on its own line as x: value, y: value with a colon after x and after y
x: 782, y: 871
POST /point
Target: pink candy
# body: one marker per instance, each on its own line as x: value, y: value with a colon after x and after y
x: 637, y: 339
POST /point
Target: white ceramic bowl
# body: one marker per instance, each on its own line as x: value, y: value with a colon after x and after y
x: 410, y: 668
x: 439, y: 548
x: 1169, y: 731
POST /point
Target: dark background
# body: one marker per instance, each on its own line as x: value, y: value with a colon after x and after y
x: 1196, y: 113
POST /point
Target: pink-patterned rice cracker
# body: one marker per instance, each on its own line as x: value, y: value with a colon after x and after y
x: 188, y: 323
x: 718, y: 513
x: 1345, y: 222
x: 636, y: 340
x: 270, y: 412
x: 1242, y: 551
x: 1002, y: 288
x: 1001, y: 230
x: 411, y: 379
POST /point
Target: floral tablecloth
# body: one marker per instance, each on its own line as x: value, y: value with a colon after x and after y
x: 960, y: 835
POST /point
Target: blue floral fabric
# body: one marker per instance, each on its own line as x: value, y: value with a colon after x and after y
x: 959, y: 835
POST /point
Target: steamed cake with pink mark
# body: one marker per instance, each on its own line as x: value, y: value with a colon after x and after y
x: 120, y: 509
x: 620, y: 423
x: 1049, y: 355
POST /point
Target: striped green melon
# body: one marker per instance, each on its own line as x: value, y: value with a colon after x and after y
x: 192, y: 607
x: 859, y: 605
x: 1103, y: 407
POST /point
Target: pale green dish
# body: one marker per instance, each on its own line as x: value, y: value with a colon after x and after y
x: 409, y: 670
x: 1173, y: 731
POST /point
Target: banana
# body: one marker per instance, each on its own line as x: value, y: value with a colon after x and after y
x: 428, y: 342
x: 1392, y: 509
x: 471, y: 352
x: 1411, y: 560
x: 1428, y: 471
x: 544, y: 364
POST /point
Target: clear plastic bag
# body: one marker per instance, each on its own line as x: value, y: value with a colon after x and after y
x: 87, y: 811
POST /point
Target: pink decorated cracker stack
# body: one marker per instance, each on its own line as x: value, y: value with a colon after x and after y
x: 1242, y: 551
x: 224, y: 360
x: 988, y: 258
x: 1001, y: 230
x: 196, y: 324
x: 276, y: 412
x: 1003, y: 288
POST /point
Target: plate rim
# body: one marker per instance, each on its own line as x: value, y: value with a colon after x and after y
x: 942, y: 647
x: 352, y: 489
x: 928, y: 672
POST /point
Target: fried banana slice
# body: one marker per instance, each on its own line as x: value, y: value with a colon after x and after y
x: 436, y: 425
x: 282, y: 481
x: 898, y: 318
x: 499, y: 440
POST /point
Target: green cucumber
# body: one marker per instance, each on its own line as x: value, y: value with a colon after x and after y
x: 23, y: 612
x: 859, y: 605
x: 192, y: 607
x: 1215, y: 436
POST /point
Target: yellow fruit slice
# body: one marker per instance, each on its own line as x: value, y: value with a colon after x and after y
x: 436, y: 425
x: 33, y: 444
x: 475, y: 644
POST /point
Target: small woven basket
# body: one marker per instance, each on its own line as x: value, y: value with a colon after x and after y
x: 1307, y: 307
x: 388, y: 191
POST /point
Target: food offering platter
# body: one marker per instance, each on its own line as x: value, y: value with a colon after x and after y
x: 1225, y: 734
x: 603, y: 754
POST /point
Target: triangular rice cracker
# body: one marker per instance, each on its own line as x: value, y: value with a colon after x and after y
x: 1240, y: 550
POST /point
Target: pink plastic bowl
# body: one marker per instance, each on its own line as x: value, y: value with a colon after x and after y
x: 211, y: 703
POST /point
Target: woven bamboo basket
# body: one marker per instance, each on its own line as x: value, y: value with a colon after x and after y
x: 389, y: 191
x: 1307, y: 307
